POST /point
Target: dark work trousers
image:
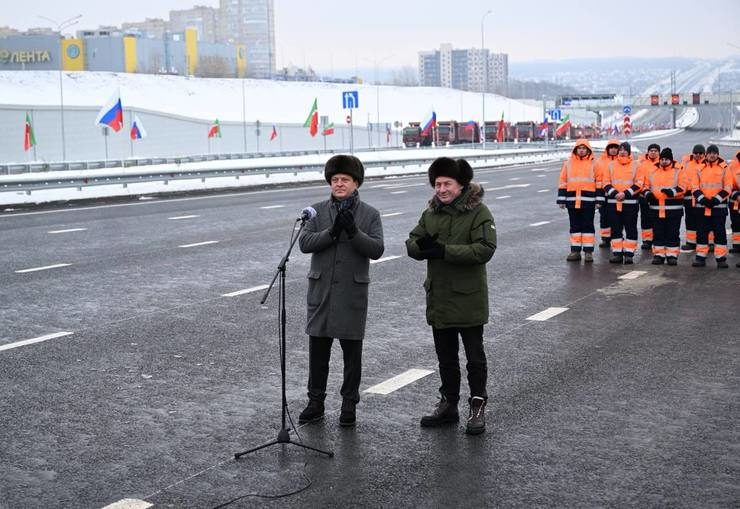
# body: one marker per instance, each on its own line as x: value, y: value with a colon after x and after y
x: 604, y: 223
x: 667, y: 231
x: 581, y: 225
x: 714, y: 223
x: 319, y: 353
x: 735, y: 223
x: 624, y: 221
x: 446, y: 344
x: 646, y: 220
x: 690, y: 213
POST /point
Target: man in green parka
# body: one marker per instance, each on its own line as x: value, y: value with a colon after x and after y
x: 456, y: 235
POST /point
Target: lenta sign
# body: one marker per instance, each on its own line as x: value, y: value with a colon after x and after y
x: 24, y: 57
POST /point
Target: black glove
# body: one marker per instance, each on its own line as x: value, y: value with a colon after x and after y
x: 427, y: 241
x: 336, y: 228
x: 716, y: 200
x: 706, y: 202
x: 437, y: 251
x: 668, y: 192
x: 347, y: 221
x: 650, y: 198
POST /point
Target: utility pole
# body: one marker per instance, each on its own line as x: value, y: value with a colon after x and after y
x: 484, y: 76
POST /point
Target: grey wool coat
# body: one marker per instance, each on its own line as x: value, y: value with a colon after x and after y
x: 339, y: 275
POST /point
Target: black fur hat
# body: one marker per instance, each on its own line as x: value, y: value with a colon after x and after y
x: 349, y: 165
x: 666, y: 153
x: 654, y: 146
x: 712, y: 149
x: 458, y: 169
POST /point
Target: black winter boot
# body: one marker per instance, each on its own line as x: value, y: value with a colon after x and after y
x: 722, y: 263
x: 617, y: 258
x: 347, y: 416
x: 445, y: 413
x: 658, y: 260
x: 699, y: 262
x: 672, y: 260
x: 629, y: 258
x: 476, y: 418
x: 313, y: 412
x: 646, y: 245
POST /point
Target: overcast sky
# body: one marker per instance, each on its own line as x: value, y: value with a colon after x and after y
x: 345, y: 34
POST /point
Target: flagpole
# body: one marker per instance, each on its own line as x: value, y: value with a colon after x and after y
x: 244, y: 117
x: 131, y: 123
x: 33, y: 122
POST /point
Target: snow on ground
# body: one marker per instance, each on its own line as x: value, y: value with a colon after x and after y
x: 270, y: 101
x: 689, y: 117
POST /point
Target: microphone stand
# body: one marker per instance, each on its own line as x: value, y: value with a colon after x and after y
x: 284, y: 433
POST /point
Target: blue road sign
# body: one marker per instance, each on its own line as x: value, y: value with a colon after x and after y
x: 350, y: 99
x: 556, y: 115
x: 627, y: 109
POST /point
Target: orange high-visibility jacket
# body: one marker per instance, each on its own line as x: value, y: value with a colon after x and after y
x: 691, y: 168
x: 664, y: 189
x: 735, y: 170
x: 580, y: 180
x: 711, y: 186
x: 622, y: 176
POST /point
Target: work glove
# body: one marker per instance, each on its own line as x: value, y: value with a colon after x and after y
x: 430, y: 248
x: 347, y: 221
x: 668, y: 192
x: 336, y: 228
x: 705, y: 202
x: 716, y: 200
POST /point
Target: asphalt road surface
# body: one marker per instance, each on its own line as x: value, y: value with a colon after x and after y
x: 151, y: 362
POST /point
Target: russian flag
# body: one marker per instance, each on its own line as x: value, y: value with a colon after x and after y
x: 429, y: 124
x: 111, y: 114
x: 470, y: 124
x: 137, y: 129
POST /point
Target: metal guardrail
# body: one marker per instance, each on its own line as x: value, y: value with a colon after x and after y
x: 29, y: 182
x: 726, y: 143
x: 39, y: 166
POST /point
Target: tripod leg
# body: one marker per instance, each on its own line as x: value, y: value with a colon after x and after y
x: 328, y: 453
x: 268, y: 444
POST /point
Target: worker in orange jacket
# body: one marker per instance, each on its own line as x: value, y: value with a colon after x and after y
x: 664, y: 190
x: 580, y: 192
x: 647, y: 165
x: 609, y: 155
x: 711, y: 187
x: 735, y: 204
x: 694, y: 162
x: 622, y: 186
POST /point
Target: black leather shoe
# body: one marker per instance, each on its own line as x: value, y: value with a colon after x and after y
x: 445, y: 413
x: 313, y: 412
x: 347, y: 417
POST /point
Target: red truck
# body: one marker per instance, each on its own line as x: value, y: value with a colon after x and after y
x: 447, y: 132
x: 468, y: 132
x: 412, y: 136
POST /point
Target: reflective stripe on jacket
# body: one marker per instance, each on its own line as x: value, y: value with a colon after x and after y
x: 672, y: 179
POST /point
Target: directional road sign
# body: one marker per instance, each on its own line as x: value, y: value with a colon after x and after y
x: 350, y: 99
x: 556, y: 115
x: 627, y: 109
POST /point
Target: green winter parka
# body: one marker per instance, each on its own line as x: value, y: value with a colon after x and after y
x: 457, y: 285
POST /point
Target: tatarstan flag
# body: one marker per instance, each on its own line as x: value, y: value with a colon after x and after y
x: 312, y: 121
x: 215, y: 130
x: 29, y: 140
x: 501, y: 129
x: 563, y: 128
x: 328, y: 129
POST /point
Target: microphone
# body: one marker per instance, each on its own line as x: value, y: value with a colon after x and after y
x: 307, y: 214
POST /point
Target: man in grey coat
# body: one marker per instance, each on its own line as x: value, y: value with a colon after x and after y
x: 345, y: 234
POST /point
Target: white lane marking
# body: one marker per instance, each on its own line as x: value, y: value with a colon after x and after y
x: 129, y: 503
x: 268, y: 207
x: 540, y: 223
x: 35, y: 340
x: 36, y: 269
x: 503, y: 197
x: 633, y: 274
x: 391, y: 214
x: 68, y: 230
x: 399, y: 192
x: 546, y: 314
x: 398, y: 381
x: 387, y: 258
x: 543, y: 191
x: 483, y: 182
x: 541, y: 176
x: 400, y: 186
x: 191, y: 216
x: 246, y: 290
x: 537, y: 169
x: 200, y: 243
x: 510, y: 186
x: 515, y: 178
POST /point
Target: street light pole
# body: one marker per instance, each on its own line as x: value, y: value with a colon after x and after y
x: 484, y: 78
x: 62, y: 26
